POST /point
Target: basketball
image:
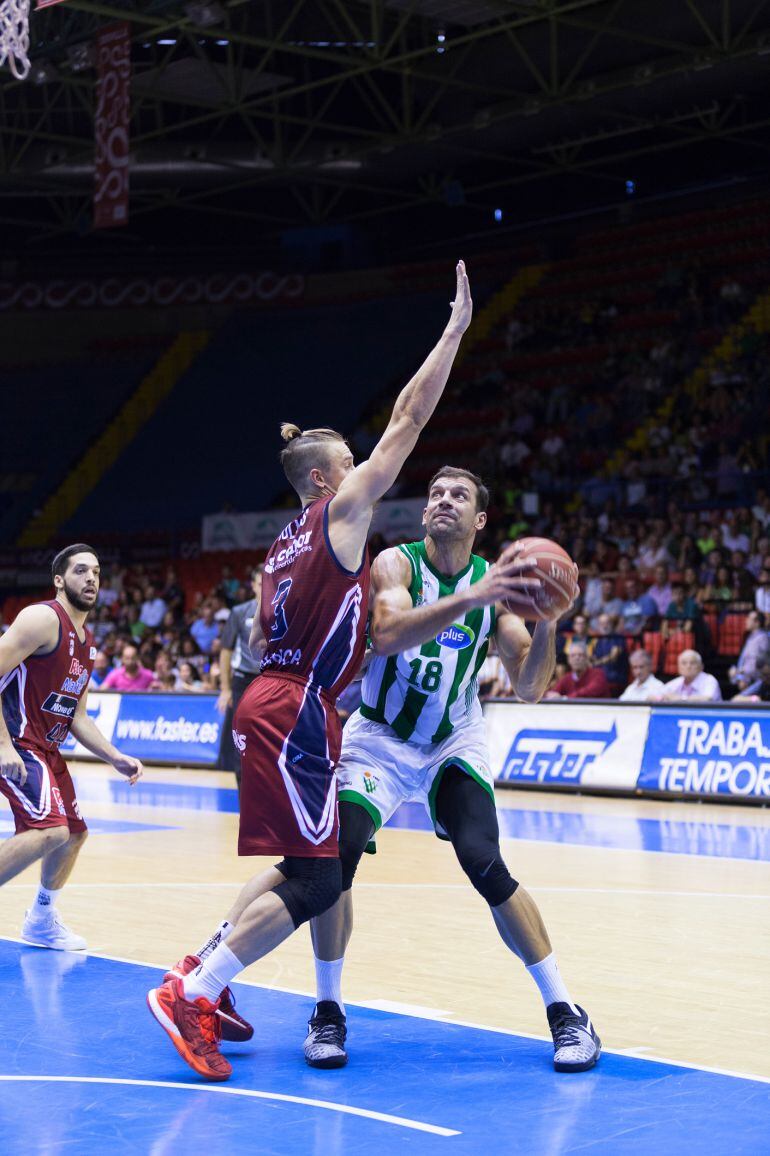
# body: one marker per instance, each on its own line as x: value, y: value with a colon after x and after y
x: 559, y: 577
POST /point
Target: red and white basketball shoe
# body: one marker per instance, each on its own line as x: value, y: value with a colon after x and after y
x: 193, y: 1028
x: 235, y: 1028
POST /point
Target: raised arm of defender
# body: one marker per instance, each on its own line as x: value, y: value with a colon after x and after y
x: 352, y: 505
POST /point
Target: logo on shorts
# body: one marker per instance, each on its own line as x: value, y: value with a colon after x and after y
x: 456, y: 637
x: 239, y: 741
x: 57, y: 799
x: 61, y: 705
x: 370, y: 782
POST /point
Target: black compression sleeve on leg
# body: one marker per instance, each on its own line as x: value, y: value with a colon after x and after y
x: 356, y: 830
x: 312, y: 886
x: 467, y: 813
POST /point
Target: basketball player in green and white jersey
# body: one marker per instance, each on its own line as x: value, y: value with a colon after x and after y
x: 419, y: 735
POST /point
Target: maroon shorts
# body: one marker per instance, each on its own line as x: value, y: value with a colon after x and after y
x: 288, y: 735
x: 47, y: 798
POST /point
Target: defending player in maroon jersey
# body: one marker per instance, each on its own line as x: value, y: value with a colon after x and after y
x: 46, y: 659
x: 311, y: 630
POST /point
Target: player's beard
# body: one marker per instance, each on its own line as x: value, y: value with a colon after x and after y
x: 77, y: 600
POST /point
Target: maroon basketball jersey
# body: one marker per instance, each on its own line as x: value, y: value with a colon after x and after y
x: 41, y: 694
x: 313, y: 611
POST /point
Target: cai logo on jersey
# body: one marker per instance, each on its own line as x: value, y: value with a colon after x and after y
x: 456, y: 637
x: 61, y: 705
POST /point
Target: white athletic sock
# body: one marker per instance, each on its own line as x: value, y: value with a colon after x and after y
x: 328, y: 978
x: 212, y: 976
x: 547, y: 976
x: 219, y: 936
x: 44, y: 902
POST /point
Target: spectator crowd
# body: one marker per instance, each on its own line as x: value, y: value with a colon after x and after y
x: 148, y: 640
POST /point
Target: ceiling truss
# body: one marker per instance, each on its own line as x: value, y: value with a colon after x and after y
x: 321, y: 113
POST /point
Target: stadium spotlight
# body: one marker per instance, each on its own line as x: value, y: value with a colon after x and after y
x: 498, y: 214
x: 440, y: 41
x: 630, y: 188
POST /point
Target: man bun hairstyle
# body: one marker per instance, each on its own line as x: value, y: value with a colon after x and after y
x: 62, y: 560
x: 306, y: 450
x: 482, y: 493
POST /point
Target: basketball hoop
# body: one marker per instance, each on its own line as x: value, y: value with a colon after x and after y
x: 14, y: 36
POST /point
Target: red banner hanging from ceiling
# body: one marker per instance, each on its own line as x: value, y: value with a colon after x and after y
x: 113, y: 112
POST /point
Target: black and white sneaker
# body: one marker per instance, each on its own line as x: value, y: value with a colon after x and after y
x: 325, y: 1044
x: 576, y: 1046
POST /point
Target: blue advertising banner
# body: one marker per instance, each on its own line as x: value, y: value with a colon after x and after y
x: 691, y: 752
x: 167, y: 728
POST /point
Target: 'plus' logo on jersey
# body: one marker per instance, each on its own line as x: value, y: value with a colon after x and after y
x: 457, y: 636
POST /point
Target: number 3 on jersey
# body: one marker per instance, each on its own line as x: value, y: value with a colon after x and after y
x: 431, y: 676
x: 280, y: 626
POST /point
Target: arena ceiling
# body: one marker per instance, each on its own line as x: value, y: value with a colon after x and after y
x: 399, y: 121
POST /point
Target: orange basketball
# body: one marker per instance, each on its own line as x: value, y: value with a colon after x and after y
x: 559, y: 577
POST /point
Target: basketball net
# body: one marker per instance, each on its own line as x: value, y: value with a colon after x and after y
x: 14, y: 36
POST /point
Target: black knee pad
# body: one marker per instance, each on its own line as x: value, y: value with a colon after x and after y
x: 491, y: 878
x: 466, y: 810
x: 356, y: 830
x: 312, y: 886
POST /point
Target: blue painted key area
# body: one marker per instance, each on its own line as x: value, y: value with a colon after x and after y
x: 84, y: 1019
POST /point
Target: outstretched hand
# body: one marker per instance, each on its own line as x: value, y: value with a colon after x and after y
x: 130, y: 767
x: 462, y: 306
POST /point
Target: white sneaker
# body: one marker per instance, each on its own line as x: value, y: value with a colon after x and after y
x: 49, y: 931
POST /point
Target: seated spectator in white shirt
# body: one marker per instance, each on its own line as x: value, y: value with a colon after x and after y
x: 693, y: 683
x: 755, y: 649
x: 153, y: 609
x: 645, y: 685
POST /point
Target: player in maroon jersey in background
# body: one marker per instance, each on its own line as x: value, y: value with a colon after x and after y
x: 312, y: 632
x: 46, y: 659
